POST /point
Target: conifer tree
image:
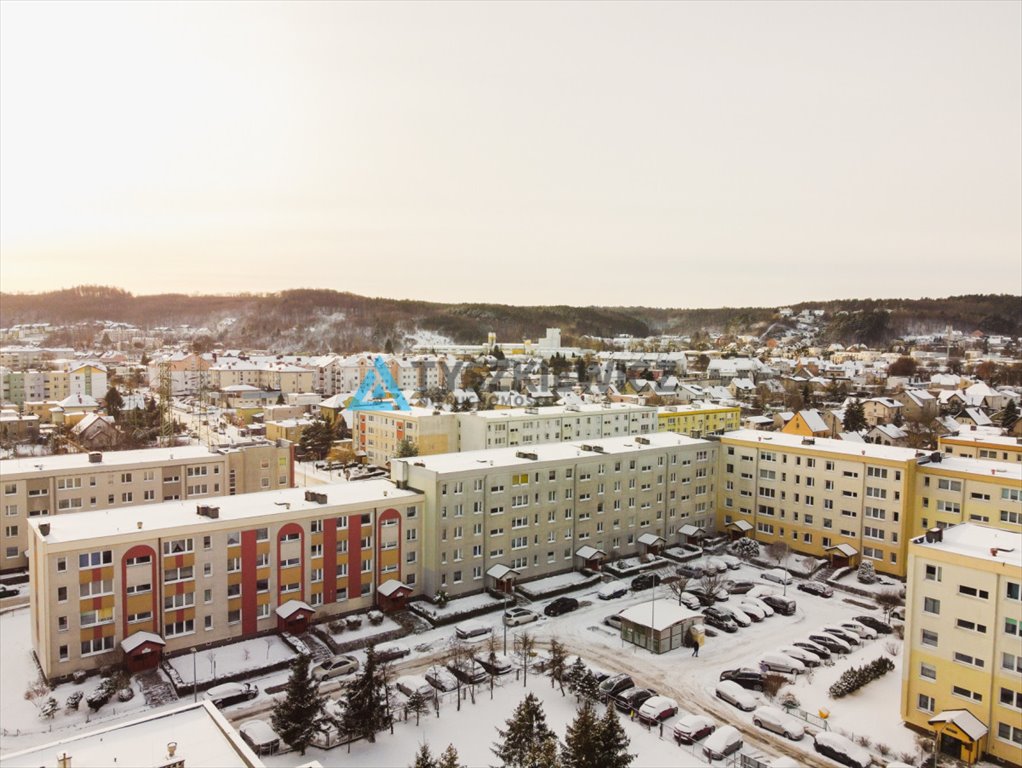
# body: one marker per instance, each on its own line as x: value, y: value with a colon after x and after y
x: 527, y: 742
x: 855, y: 417
x: 417, y: 703
x: 613, y: 742
x: 297, y: 716
x: 367, y: 702
x: 449, y: 759
x: 582, y: 743
x: 558, y: 663
x: 424, y: 758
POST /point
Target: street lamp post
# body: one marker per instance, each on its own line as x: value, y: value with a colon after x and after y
x: 504, y: 621
x: 195, y: 678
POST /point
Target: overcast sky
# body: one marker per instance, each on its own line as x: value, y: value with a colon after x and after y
x: 667, y: 154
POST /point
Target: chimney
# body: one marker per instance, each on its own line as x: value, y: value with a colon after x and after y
x: 95, y: 457
x: 139, y: 524
x: 44, y: 529
x: 171, y: 748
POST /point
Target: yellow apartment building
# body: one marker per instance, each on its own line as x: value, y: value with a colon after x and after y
x: 698, y: 419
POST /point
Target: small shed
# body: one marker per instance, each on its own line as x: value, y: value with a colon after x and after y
x: 842, y: 555
x: 591, y: 557
x: 658, y: 626
x: 651, y: 543
x: 503, y: 578
x: 392, y: 595
x: 293, y: 616
x: 142, y: 651
x: 691, y: 532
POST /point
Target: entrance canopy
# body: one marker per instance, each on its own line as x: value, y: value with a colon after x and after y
x: 291, y: 607
x: 847, y: 550
x: 138, y: 639
x: 964, y: 721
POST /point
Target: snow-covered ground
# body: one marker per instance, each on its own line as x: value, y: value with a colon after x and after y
x: 873, y: 710
x: 231, y: 659
x: 365, y: 633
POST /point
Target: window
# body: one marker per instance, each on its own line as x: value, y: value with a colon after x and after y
x: 972, y: 661
x: 970, y: 625
x: 136, y: 589
x: 926, y: 703
x: 927, y: 671
x: 932, y: 573
x: 177, y: 546
x: 96, y: 617
x: 97, y: 645
x: 95, y: 559
x: 179, y: 628
x: 177, y: 602
x: 1011, y: 627
x: 1007, y: 732
x: 968, y: 591
x: 929, y: 637
x: 931, y: 605
x: 1013, y: 591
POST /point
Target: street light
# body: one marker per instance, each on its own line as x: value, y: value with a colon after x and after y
x: 195, y: 679
x: 505, y: 622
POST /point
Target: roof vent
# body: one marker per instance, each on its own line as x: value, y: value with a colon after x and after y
x: 213, y: 513
x: 934, y: 535
x: 44, y: 529
x: 808, y: 441
x: 526, y: 455
x: 95, y: 457
x: 319, y: 498
x: 642, y: 440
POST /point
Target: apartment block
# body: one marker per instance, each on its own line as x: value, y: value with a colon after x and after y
x: 44, y: 486
x: 379, y: 433
x: 977, y: 445
x: 698, y: 419
x: 952, y: 490
x: 550, y: 508
x: 127, y: 585
x: 962, y: 675
x: 826, y: 498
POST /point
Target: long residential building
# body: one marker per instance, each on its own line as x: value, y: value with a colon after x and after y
x: 846, y: 501
x: 554, y: 507
x: 699, y: 419
x: 379, y: 433
x: 976, y: 445
x: 56, y: 485
x: 962, y: 675
x: 130, y: 584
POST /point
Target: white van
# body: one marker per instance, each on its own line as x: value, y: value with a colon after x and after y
x: 724, y: 741
x: 471, y: 629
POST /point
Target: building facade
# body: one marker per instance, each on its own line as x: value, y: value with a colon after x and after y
x: 963, y: 640
x: 197, y: 574
x: 532, y: 510
x: 698, y: 419
x: 977, y: 445
x: 40, y: 487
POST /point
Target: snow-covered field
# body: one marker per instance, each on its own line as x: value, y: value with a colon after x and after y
x: 231, y: 659
x: 874, y: 710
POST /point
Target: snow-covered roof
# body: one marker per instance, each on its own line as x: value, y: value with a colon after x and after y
x: 977, y: 541
x: 70, y: 462
x: 741, y: 525
x: 814, y: 421
x: 291, y: 607
x: 651, y: 539
x: 499, y: 571
x: 964, y: 719
x: 843, y: 549
x: 79, y: 401
x: 588, y: 553
x: 659, y: 614
x: 691, y: 530
x: 891, y: 431
x: 133, y: 641
x: 390, y: 587
x: 822, y: 445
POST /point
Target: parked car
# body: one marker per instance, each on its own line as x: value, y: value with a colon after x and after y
x: 645, y: 581
x: 8, y: 592
x: 692, y: 728
x: 782, y: 605
x: 736, y: 696
x: 758, y: 602
x: 690, y: 601
x: 875, y: 623
x: 468, y: 671
x: 719, y: 619
x: 409, y: 684
x: 498, y: 664
x: 690, y: 571
x: 336, y: 666
x: 844, y: 634
x: 260, y: 736
x: 777, y: 721
x: 752, y: 610
x: 441, y: 679
x: 561, y: 605
x: 612, y: 589
x: 817, y: 588
x: 741, y: 618
x: 812, y: 647
x: 724, y: 741
x: 614, y: 685
x: 614, y: 620
x: 517, y: 616
x: 777, y: 575
x: 738, y: 587
x: 716, y: 564
x: 231, y: 693
x: 779, y: 662
x: 472, y: 629
x: 656, y: 709
x: 706, y: 598
x: 730, y: 561
x: 808, y: 658
x: 830, y: 642
x: 866, y: 633
x: 632, y: 698
x: 840, y: 748
x: 750, y: 679
x: 391, y: 651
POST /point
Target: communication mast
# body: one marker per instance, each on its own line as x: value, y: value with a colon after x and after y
x: 166, y: 414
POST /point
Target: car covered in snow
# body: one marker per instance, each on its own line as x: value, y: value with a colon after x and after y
x: 779, y: 662
x: 830, y: 642
x: 814, y: 648
x: 723, y: 742
x: 866, y: 633
x: 817, y: 588
x: 468, y: 671
x: 777, y: 576
x: 782, y: 605
x: 852, y: 638
x: 752, y: 610
x: 231, y: 693
x: 758, y: 602
x: 495, y: 664
x: 632, y: 698
x: 872, y: 621
x: 750, y: 679
x: 612, y: 589
x: 739, y: 587
x: 842, y: 749
x: 391, y: 651
x: 411, y: 684
x: 779, y: 722
x: 614, y: 685
x: 720, y: 619
x: 808, y: 658
x: 441, y: 679
x: 736, y: 696
x: 742, y: 619
x: 692, y: 728
x: 472, y: 629
x: 656, y: 709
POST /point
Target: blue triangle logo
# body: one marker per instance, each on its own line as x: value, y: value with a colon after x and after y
x: 373, y: 392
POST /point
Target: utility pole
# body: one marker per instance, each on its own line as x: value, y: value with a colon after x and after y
x: 166, y: 413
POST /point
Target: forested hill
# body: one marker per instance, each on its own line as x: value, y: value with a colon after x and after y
x: 315, y: 320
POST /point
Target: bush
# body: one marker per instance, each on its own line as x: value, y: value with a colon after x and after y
x: 78, y: 676
x: 853, y: 678
x: 772, y: 684
x: 125, y: 694
x: 867, y: 572
x: 744, y: 548
x: 49, y: 708
x: 336, y: 627
x: 71, y: 705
